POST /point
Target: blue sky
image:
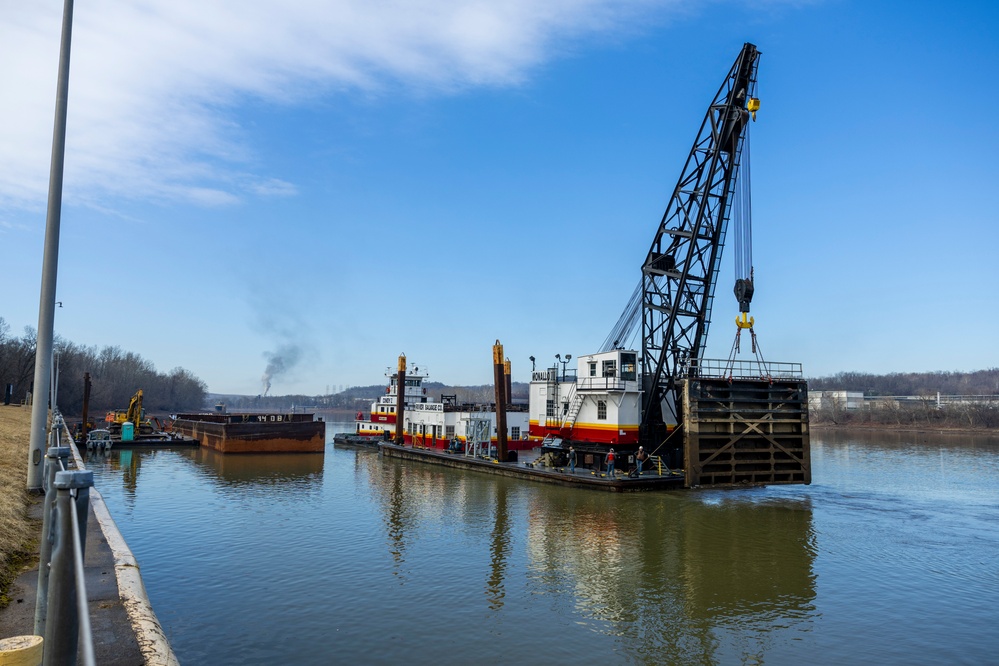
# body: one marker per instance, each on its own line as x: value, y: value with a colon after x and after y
x: 345, y: 181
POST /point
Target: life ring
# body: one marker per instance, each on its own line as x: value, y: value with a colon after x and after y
x: 388, y: 390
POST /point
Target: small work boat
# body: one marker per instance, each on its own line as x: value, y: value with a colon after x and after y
x: 99, y: 440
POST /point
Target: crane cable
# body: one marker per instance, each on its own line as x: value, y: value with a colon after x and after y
x: 623, y: 333
x: 743, y: 218
x: 743, y: 215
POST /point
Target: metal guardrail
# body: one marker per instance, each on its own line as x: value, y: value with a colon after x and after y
x: 743, y: 369
x: 61, y: 587
x: 604, y: 384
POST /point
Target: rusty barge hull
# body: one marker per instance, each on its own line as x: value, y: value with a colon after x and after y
x: 254, y: 433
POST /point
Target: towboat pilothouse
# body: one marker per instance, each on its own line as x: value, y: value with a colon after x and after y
x: 598, y: 402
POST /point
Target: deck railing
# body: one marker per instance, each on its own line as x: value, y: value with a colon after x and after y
x: 743, y: 369
x: 61, y: 613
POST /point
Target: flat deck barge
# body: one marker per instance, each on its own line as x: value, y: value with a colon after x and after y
x: 583, y: 477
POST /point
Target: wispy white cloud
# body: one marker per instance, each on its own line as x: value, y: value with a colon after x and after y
x: 156, y: 85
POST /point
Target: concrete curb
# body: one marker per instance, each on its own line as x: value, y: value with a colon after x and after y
x: 152, y: 640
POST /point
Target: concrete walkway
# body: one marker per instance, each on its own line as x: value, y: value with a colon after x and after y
x: 125, y: 629
x: 114, y: 640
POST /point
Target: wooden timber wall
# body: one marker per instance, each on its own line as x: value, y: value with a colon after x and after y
x: 746, y: 432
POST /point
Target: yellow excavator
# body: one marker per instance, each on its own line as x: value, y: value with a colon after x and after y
x: 134, y: 414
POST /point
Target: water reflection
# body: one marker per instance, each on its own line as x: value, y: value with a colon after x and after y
x: 389, y: 561
x: 889, y: 439
x: 280, y: 476
x: 499, y: 549
x: 666, y: 575
x: 261, y: 469
x: 414, y: 496
x: 397, y: 517
x: 121, y: 461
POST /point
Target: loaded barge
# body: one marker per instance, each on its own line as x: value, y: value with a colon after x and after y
x: 254, y: 433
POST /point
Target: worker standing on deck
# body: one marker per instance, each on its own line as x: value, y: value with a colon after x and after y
x: 640, y: 458
x: 610, y: 463
x: 572, y: 460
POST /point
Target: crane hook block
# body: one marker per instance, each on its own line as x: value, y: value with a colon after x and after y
x: 753, y: 106
x: 745, y: 321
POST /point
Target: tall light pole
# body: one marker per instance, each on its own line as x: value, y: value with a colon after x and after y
x: 50, y: 261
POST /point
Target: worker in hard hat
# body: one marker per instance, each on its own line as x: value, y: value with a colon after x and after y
x: 640, y: 458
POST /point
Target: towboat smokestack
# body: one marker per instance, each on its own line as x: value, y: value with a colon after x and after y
x: 400, y: 401
x: 501, y: 399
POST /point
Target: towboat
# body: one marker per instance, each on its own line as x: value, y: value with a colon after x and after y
x: 443, y: 423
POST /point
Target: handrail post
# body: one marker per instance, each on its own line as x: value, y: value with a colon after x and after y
x: 52, y: 465
x: 62, y: 629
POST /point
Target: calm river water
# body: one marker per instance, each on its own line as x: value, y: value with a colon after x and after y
x: 890, y: 556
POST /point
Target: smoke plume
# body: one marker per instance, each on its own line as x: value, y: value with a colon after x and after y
x: 279, y: 362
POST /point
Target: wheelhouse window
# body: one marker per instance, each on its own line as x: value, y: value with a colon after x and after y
x: 593, y: 368
x: 629, y: 371
x: 610, y: 368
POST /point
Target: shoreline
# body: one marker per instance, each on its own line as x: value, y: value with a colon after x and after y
x: 887, y: 427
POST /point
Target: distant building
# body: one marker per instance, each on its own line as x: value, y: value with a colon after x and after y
x: 830, y: 399
x: 856, y: 400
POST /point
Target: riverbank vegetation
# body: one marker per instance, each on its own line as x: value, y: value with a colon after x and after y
x: 920, y: 414
x: 17, y: 532
x: 115, y: 376
x: 978, y: 382
x: 909, y: 400
x: 359, y: 398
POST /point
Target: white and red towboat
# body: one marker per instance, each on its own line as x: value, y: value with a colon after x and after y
x: 597, y: 402
x: 438, y: 424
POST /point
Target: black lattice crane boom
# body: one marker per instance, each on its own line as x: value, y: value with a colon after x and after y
x: 680, y: 270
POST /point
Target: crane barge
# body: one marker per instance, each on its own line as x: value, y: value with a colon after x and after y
x: 718, y: 422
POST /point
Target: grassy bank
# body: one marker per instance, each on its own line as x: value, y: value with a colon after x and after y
x: 18, y: 534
